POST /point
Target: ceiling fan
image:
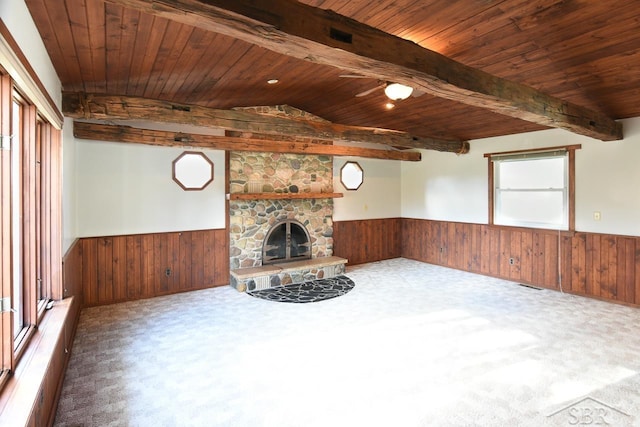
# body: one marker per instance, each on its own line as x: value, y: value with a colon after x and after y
x: 394, y: 91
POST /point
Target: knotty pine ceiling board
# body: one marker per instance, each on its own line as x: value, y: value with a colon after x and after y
x: 582, y: 51
x: 554, y: 58
x: 53, y: 24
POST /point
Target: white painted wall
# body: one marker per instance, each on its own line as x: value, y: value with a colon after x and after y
x: 129, y: 189
x: 454, y: 188
x: 377, y: 197
x: 445, y: 186
x: 608, y: 181
x: 69, y: 195
x: 137, y: 195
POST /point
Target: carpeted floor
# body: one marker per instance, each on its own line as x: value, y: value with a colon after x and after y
x: 411, y: 345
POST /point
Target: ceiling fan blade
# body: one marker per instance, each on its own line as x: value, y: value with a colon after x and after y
x: 369, y: 91
x: 353, y: 76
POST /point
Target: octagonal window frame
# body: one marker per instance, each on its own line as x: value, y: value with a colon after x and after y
x: 355, y: 185
x: 175, y: 172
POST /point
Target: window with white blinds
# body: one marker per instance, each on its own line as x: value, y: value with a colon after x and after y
x: 532, y: 191
x: 533, y: 188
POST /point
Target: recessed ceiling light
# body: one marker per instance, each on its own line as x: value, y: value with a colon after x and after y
x: 272, y: 81
x: 389, y: 105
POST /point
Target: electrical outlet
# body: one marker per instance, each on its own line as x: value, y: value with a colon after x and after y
x: 167, y: 272
x: 511, y: 261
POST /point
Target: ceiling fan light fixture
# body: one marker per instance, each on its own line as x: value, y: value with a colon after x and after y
x: 389, y: 105
x: 398, y: 92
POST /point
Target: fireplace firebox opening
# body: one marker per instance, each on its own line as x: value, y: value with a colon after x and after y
x: 286, y: 241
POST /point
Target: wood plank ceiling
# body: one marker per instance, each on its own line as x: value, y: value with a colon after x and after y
x: 581, y: 51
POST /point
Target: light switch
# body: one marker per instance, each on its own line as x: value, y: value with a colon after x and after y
x: 596, y: 216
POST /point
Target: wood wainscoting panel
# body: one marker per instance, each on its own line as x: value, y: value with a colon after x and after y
x: 123, y: 268
x: 367, y: 240
x: 578, y: 272
x: 412, y: 239
x: 134, y: 266
x: 72, y: 271
x: 604, y: 266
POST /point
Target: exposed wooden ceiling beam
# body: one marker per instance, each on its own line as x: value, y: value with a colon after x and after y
x: 112, y: 107
x: 115, y: 133
x: 281, y: 138
x: 325, y: 37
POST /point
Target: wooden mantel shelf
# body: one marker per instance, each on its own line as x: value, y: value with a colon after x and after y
x: 283, y: 196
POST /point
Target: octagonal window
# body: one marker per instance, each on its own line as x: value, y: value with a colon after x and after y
x: 351, y: 175
x: 192, y: 171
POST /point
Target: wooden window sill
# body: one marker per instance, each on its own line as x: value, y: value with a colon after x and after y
x: 30, y: 395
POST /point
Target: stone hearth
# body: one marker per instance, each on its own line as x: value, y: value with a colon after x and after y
x: 273, y: 275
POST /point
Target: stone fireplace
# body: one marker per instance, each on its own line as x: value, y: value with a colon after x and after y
x: 250, y: 221
x: 279, y: 211
x: 278, y: 174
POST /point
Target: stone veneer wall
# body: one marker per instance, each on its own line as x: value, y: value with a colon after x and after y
x: 250, y: 220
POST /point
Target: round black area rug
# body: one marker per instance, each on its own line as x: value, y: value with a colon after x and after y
x: 311, y: 291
